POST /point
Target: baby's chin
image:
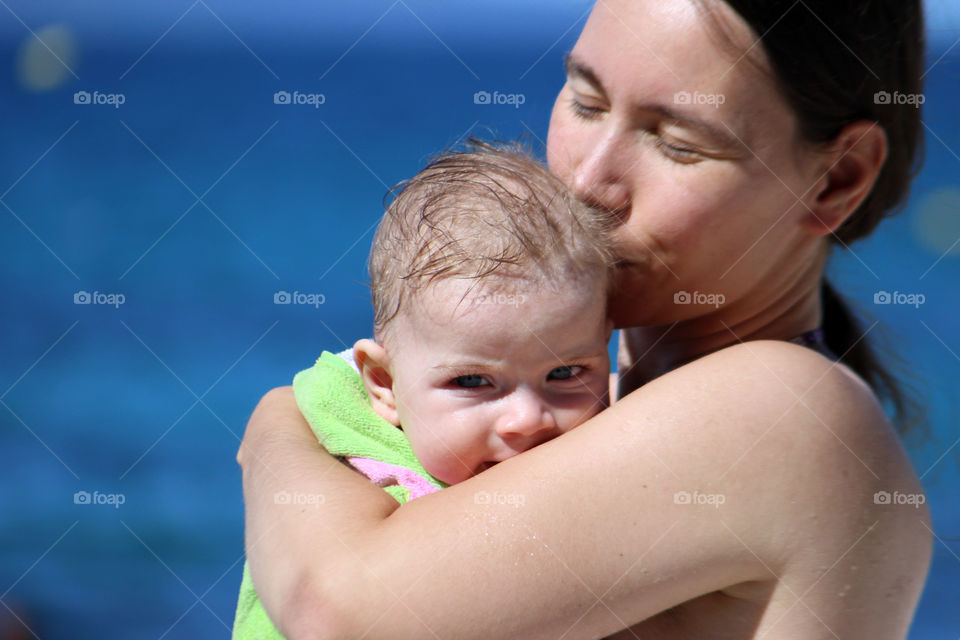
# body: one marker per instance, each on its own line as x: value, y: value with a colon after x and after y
x: 453, y: 476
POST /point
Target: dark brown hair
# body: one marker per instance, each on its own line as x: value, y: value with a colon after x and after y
x: 489, y: 211
x: 837, y: 62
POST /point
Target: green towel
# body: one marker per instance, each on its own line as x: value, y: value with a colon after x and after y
x: 332, y: 398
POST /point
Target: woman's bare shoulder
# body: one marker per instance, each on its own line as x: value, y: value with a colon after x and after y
x: 816, y: 481
x: 794, y: 384
x: 804, y: 432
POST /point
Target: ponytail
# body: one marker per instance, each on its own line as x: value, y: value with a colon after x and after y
x: 846, y: 338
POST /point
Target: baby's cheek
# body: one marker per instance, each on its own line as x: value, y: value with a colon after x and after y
x: 444, y: 461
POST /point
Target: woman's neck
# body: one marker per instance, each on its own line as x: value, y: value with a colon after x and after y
x: 647, y: 352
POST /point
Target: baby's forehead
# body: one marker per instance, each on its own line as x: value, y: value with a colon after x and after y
x: 460, y: 296
x: 468, y: 300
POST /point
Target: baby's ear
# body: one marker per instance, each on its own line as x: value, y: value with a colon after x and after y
x: 374, y: 365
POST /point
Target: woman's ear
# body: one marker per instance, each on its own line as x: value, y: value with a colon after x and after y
x: 846, y: 176
x: 374, y: 365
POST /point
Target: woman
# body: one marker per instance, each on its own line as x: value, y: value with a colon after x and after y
x: 731, y: 490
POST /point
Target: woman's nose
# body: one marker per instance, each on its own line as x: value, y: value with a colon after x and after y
x: 599, y: 178
x: 524, y: 414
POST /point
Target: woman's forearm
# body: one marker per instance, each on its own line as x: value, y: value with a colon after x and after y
x: 287, y: 479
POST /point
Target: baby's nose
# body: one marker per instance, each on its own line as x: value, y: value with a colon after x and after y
x: 524, y: 415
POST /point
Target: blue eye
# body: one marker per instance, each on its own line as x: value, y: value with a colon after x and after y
x: 563, y: 373
x: 470, y: 381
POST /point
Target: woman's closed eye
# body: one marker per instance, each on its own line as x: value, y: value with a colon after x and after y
x: 677, y: 153
x: 580, y: 110
x: 681, y: 155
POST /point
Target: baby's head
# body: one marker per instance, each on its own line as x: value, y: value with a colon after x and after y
x: 489, y: 288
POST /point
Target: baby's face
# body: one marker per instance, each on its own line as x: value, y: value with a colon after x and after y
x: 479, y: 377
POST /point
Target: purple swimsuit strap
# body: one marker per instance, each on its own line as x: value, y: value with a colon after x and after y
x: 816, y: 340
x: 810, y: 337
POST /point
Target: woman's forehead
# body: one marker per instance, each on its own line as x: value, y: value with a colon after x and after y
x: 674, y: 42
x: 676, y: 52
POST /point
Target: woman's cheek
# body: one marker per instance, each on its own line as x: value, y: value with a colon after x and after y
x: 687, y: 211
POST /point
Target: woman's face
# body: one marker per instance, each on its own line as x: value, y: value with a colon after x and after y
x: 696, y: 154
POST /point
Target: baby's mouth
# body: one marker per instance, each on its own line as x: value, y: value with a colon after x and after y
x: 486, y: 465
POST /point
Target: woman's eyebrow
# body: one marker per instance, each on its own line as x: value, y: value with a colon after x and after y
x: 579, y: 69
x: 726, y: 138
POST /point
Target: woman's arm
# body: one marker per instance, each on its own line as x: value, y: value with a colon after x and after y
x: 287, y: 477
x: 703, y: 479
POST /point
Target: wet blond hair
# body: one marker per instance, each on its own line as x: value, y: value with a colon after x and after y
x: 491, y: 211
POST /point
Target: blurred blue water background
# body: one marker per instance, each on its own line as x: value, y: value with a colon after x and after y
x: 199, y: 198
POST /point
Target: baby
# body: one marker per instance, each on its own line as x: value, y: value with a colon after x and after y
x: 489, y: 292
x: 489, y: 285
